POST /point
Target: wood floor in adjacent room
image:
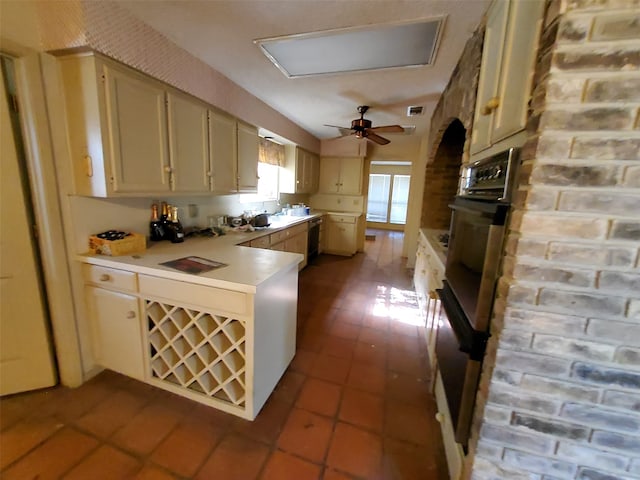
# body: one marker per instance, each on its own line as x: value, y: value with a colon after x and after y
x: 353, y: 404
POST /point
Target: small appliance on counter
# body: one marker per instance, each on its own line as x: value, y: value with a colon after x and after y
x: 260, y: 220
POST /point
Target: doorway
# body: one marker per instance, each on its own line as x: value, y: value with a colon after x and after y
x: 388, y: 195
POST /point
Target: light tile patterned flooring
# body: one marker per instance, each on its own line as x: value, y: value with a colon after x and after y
x: 354, y: 403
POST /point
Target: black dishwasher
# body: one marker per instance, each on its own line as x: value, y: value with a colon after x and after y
x: 314, y: 238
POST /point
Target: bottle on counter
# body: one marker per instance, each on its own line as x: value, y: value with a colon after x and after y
x: 175, y: 230
x: 156, y: 229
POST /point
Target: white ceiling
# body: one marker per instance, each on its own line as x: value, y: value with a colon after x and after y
x: 221, y: 33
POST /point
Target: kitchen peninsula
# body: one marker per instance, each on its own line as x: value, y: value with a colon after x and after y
x: 223, y: 337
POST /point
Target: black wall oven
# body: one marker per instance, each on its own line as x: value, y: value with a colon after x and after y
x: 479, y: 216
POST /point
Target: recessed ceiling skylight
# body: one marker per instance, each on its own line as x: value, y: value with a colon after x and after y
x: 355, y: 49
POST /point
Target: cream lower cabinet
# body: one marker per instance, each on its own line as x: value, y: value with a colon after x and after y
x: 293, y: 239
x: 427, y: 278
x: 115, y: 324
x: 341, y: 235
x: 221, y: 347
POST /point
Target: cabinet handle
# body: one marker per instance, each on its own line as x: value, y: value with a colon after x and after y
x: 168, y: 169
x: 105, y: 278
x: 433, y: 295
x: 131, y: 314
x: 209, y: 174
x: 88, y: 165
x: 439, y: 417
x: 491, y: 105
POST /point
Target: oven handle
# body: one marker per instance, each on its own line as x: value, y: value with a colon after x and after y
x: 471, y: 341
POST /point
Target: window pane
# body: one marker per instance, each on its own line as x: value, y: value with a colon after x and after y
x: 267, y: 181
x: 378, y: 202
x: 399, y: 199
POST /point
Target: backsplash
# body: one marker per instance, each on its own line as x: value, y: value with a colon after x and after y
x: 93, y: 215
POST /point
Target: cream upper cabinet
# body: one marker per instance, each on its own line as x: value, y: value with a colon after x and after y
x: 188, y: 144
x: 132, y: 135
x: 300, y: 171
x: 506, y: 73
x: 223, y: 148
x: 117, y: 128
x: 341, y: 175
x: 247, y: 164
x: 136, y: 116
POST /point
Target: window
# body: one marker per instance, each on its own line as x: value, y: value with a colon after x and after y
x: 267, y: 181
x: 388, y: 198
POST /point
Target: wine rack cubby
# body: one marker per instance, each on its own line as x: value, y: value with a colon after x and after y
x: 198, y: 350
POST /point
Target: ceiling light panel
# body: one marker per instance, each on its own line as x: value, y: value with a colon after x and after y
x: 350, y: 50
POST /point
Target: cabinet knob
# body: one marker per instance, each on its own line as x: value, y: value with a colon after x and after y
x: 168, y: 169
x: 433, y: 295
x: 131, y: 314
x: 209, y: 173
x: 105, y: 277
x: 439, y: 417
x: 491, y: 105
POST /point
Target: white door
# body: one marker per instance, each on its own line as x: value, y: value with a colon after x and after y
x: 26, y: 361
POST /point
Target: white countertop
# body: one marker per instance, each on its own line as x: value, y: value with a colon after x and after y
x: 246, y: 267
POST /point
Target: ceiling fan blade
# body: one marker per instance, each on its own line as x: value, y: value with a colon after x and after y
x: 344, y: 131
x: 389, y: 129
x: 374, y: 137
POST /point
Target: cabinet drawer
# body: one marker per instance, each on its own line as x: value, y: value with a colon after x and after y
x: 278, y: 246
x: 288, y: 233
x: 189, y: 293
x: 262, y: 242
x: 110, y: 277
x: 343, y: 218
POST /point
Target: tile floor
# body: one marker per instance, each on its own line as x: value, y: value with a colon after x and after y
x: 354, y: 403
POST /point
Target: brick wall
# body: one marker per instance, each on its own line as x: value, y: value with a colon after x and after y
x: 448, y: 142
x: 560, y: 392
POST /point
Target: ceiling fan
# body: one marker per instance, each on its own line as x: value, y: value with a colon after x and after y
x: 361, y: 128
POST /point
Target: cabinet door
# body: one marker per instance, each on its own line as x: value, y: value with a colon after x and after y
x: 341, y: 237
x: 223, y: 151
x: 523, y: 31
x: 188, y: 144
x: 302, y: 185
x: 311, y: 171
x: 137, y: 131
x: 351, y: 176
x: 329, y: 175
x: 116, y: 330
x: 489, y: 73
x: 247, y: 158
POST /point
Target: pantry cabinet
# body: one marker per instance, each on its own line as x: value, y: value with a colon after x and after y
x: 506, y: 73
x: 188, y: 144
x: 300, y: 173
x: 341, y: 175
x: 132, y: 135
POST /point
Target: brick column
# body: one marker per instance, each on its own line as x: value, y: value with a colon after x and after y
x: 560, y: 392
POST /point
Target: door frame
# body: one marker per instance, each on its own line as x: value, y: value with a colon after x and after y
x: 40, y: 92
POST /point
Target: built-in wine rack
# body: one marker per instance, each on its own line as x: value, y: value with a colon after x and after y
x: 197, y: 350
